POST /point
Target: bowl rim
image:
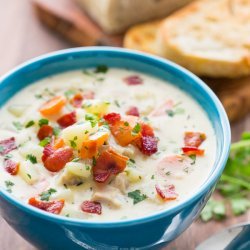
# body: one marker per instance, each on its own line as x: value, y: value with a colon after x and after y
x: 151, y: 217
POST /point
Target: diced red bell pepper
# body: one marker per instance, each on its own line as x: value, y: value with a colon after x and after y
x: 92, y: 207
x: 55, y: 160
x: 108, y: 163
x: 168, y: 193
x: 45, y: 131
x: 133, y: 111
x: 194, y: 139
x: 193, y: 151
x: 133, y: 80
x: 112, y: 117
x: 11, y: 167
x: 7, y: 145
x: 54, y: 207
x: 67, y: 120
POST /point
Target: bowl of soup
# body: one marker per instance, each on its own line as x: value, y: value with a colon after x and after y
x: 107, y: 148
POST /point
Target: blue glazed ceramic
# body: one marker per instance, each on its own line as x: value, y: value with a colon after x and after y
x: 48, y: 231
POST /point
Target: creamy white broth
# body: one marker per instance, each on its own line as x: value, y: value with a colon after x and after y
x: 109, y: 87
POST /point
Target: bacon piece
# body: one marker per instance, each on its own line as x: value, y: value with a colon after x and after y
x: 7, y: 145
x: 146, y: 130
x: 92, y: 207
x: 45, y: 131
x: 133, y: 111
x: 67, y: 120
x: 54, y: 207
x: 168, y: 193
x: 193, y: 151
x: 148, y: 145
x: 55, y: 160
x: 88, y: 95
x: 77, y: 100
x: 108, y: 163
x: 194, y: 139
x: 112, y: 117
x: 133, y: 80
x: 11, y: 167
x: 163, y: 109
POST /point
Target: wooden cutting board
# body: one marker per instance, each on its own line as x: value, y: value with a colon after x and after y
x: 68, y: 20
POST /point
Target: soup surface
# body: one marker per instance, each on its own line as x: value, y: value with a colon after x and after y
x: 104, y: 144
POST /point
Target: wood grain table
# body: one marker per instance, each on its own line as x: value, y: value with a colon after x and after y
x: 23, y: 37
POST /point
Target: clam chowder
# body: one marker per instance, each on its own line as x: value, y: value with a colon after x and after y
x: 104, y: 144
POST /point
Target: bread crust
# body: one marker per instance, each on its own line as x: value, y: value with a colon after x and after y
x: 224, y: 29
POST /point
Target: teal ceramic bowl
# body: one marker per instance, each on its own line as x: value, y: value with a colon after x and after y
x: 48, y: 231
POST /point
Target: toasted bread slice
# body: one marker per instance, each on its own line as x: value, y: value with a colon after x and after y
x: 209, y: 37
x: 143, y: 37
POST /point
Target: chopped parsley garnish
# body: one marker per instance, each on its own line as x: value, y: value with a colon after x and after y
x: 73, y: 144
x: 93, y: 119
x: 29, y: 176
x: 76, y: 160
x: 152, y: 177
x: 31, y: 158
x: 137, y: 196
x: 87, y: 167
x: 168, y: 173
x: 56, y: 131
x: 29, y: 124
x: 117, y: 103
x: 126, y: 123
x: 170, y: 113
x: 8, y: 156
x: 193, y: 158
x: 69, y: 93
x: 101, y: 69
x: 131, y: 163
x: 17, y: 125
x: 45, y: 141
x: 9, y: 185
x: 94, y: 161
x: 43, y: 121
x: 176, y: 111
x: 136, y: 129
x: 38, y: 96
x: 45, y: 196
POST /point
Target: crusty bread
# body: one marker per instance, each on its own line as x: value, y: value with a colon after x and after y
x: 209, y: 37
x: 115, y: 16
x: 143, y: 37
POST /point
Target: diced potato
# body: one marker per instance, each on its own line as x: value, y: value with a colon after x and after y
x: 133, y: 174
x: 78, y: 169
x: 66, y: 195
x: 96, y: 107
x: 80, y: 114
x: 74, y: 173
x: 32, y: 149
x: 17, y: 110
x: 28, y: 172
x: 78, y: 133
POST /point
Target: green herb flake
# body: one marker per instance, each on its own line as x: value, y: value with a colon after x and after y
x: 29, y: 124
x: 73, y: 144
x: 101, y: 69
x: 38, y: 96
x: 45, y: 142
x: 76, y: 160
x: 1, y: 148
x: 152, y: 177
x: 9, y: 185
x: 69, y: 93
x: 117, y: 103
x: 17, y: 125
x: 87, y: 167
x: 56, y: 131
x: 137, y: 196
x: 136, y: 129
x: 94, y: 161
x: 29, y: 176
x: 45, y: 196
x: 193, y: 158
x: 31, y: 158
x: 126, y: 123
x: 43, y: 121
